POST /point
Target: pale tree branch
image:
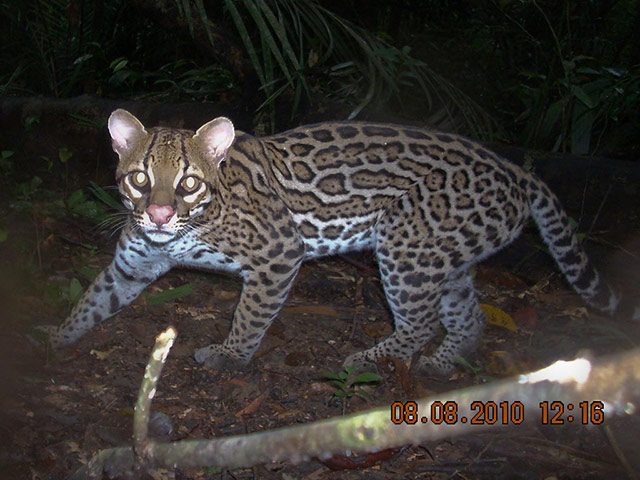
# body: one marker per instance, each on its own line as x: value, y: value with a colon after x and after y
x: 612, y: 385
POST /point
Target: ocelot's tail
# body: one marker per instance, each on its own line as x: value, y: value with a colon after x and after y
x: 558, y: 234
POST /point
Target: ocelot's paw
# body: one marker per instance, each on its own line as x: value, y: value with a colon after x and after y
x: 56, y: 339
x: 435, y: 366
x: 360, y: 363
x: 219, y: 357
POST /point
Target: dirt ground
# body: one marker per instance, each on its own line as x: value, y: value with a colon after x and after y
x: 60, y: 408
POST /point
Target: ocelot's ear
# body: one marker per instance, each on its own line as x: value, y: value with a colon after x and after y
x: 125, y: 129
x: 215, y: 138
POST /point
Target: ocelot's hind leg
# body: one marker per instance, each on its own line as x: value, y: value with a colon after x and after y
x: 426, y: 286
x: 464, y: 320
x: 412, y: 271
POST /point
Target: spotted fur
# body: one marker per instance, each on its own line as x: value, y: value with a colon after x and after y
x: 430, y: 205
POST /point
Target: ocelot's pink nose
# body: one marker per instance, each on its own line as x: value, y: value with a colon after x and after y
x: 160, y: 214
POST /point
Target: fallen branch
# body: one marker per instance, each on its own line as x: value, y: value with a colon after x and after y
x: 164, y: 341
x: 610, y: 387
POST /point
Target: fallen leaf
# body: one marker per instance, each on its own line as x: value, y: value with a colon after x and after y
x: 196, y: 313
x: 138, y: 330
x: 253, y: 406
x: 500, y: 277
x: 502, y: 363
x: 398, y: 369
x: 526, y: 317
x: 498, y: 317
x: 290, y: 413
x: 226, y: 294
x: 237, y: 382
x: 160, y: 474
x: 103, y: 355
x: 295, y: 359
x: 343, y: 462
x: 575, y: 312
x: 320, y: 388
x: 58, y: 400
x: 559, y: 299
x: 377, y: 329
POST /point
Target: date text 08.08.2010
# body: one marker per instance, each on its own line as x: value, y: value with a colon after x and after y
x: 502, y: 413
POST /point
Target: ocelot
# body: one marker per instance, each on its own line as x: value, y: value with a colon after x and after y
x: 429, y: 204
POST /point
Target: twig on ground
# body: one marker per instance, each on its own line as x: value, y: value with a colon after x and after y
x: 613, y: 382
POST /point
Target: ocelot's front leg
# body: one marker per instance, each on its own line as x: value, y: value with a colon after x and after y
x: 264, y: 291
x: 132, y: 269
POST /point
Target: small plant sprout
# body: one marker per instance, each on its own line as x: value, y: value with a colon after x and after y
x: 347, y: 385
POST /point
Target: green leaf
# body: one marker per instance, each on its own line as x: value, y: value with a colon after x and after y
x: 582, y: 96
x: 4, y: 234
x: 205, y: 20
x: 338, y: 384
x: 75, y: 291
x: 83, y: 58
x: 587, y: 71
x: 30, y: 121
x: 465, y: 363
x: 64, y: 154
x: 53, y: 294
x: 581, y: 129
x: 171, y: 294
x: 88, y: 122
x: 246, y: 39
x: 551, y: 119
x: 88, y: 273
x: 363, y: 394
x: 118, y: 64
x: 367, y: 377
x: 104, y: 197
x: 75, y: 199
x: 35, y: 182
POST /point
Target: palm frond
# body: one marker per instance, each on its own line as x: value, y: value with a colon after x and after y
x: 290, y: 41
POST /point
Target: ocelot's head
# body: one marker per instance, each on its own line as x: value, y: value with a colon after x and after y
x: 165, y: 175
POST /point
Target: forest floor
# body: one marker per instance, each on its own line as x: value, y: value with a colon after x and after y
x: 58, y: 409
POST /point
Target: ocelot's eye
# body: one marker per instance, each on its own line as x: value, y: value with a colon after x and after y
x: 190, y: 184
x: 139, y: 179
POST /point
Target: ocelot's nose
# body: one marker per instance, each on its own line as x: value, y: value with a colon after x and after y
x: 160, y: 214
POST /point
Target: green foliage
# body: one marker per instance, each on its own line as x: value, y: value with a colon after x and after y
x: 159, y: 298
x: 347, y: 385
x: 298, y: 46
x: 64, y: 48
x: 78, y: 204
x: 64, y: 155
x: 563, y: 75
x: 182, y: 79
x: 52, y: 59
x: 31, y: 121
x: 29, y: 196
x: 466, y: 364
x: 33, y: 197
x: 67, y: 295
x: 6, y: 164
x: 98, y: 192
x: 26, y: 191
x: 574, y: 87
x: 573, y: 112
